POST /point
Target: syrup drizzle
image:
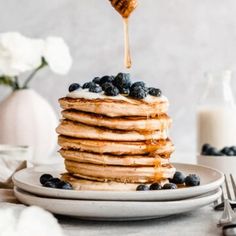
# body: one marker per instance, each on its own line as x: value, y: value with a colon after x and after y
x: 127, y: 55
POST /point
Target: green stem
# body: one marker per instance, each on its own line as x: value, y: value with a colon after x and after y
x: 7, y: 81
x: 44, y: 63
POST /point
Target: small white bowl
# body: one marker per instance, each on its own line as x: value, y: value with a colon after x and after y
x: 226, y: 164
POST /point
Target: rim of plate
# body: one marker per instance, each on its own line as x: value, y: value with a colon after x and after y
x: 217, y: 191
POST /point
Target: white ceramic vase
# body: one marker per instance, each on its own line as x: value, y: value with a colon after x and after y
x: 26, y: 118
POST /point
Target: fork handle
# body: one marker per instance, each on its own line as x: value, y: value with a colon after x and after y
x: 229, y: 230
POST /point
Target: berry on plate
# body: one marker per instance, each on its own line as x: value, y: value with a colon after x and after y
x: 178, y: 178
x: 142, y: 187
x: 52, y: 183
x: 44, y: 178
x: 65, y: 185
x: 192, y: 180
x: 155, y: 186
x: 169, y: 186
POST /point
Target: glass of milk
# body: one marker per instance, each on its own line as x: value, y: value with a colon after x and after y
x: 216, y: 113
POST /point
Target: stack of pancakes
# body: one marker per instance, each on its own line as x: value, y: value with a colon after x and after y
x: 115, y: 143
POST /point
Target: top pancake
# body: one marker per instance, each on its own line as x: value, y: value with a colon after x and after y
x: 117, y: 107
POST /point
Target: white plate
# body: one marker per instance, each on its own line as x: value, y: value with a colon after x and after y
x: 211, y: 179
x: 116, y: 210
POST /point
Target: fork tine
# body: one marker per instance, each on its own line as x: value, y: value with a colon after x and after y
x: 227, y: 188
x: 233, y: 184
x: 222, y: 195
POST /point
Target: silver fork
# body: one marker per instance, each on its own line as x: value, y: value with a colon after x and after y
x: 231, y: 199
x: 228, y: 216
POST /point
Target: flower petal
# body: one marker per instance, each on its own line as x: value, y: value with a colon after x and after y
x: 57, y: 55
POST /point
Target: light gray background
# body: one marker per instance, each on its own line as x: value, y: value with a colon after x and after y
x: 173, y: 43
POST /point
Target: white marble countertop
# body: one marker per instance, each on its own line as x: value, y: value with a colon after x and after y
x: 197, y: 223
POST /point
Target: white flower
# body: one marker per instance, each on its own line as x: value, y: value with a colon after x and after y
x: 19, y: 54
x: 57, y: 55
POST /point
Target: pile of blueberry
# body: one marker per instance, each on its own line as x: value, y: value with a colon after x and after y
x: 179, y: 178
x: 115, y: 85
x: 48, y: 181
x: 209, y: 150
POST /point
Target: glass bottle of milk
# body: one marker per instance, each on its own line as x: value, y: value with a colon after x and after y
x: 216, y: 114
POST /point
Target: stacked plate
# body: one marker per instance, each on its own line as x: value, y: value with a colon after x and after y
x: 112, y: 205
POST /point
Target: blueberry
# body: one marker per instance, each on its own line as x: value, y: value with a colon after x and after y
x: 73, y: 87
x: 142, y: 187
x: 178, y: 178
x: 44, y: 178
x: 225, y: 150
x: 87, y: 85
x: 55, y: 180
x: 138, y: 92
x: 122, y: 80
x: 52, y: 183
x: 192, y: 180
x: 65, y: 185
x: 124, y: 91
x: 111, y: 91
x: 138, y: 84
x: 106, y: 78
x: 155, y: 186
x: 154, y: 92
x: 96, y: 80
x: 95, y: 88
x: 106, y: 85
x: 169, y: 186
x: 205, y: 148
x: 212, y: 152
x: 233, y: 148
x: 230, y: 153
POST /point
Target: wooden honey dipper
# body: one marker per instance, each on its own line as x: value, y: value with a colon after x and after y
x: 124, y: 7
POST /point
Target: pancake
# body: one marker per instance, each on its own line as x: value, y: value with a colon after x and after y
x: 79, y: 130
x: 83, y: 184
x: 123, y: 174
x: 161, y: 122
x: 102, y: 159
x: 161, y: 147
x: 117, y: 107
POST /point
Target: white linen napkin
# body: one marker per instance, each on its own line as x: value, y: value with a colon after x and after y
x: 18, y: 220
x: 12, y: 159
